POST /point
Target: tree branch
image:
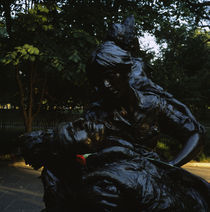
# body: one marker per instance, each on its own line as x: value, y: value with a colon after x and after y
x: 206, y: 41
x: 205, y: 17
x: 199, y: 4
x: 7, y: 15
x: 203, y: 4
x: 204, y: 26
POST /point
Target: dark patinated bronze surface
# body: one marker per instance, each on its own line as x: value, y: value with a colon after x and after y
x: 104, y: 160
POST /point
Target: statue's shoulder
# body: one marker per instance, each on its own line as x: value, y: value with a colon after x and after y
x: 108, y: 54
x: 111, y: 47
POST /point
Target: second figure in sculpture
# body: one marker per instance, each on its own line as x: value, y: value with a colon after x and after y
x: 104, y: 160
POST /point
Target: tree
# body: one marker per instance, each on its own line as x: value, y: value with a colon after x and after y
x: 27, y: 61
x: 183, y: 69
x: 33, y: 54
x: 48, y: 42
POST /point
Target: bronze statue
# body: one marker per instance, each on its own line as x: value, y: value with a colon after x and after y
x: 104, y: 160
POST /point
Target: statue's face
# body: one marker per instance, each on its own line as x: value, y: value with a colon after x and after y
x: 116, y: 84
x: 117, y: 32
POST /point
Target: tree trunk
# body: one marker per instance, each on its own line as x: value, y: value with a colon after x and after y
x: 28, y: 125
x: 26, y: 101
x: 26, y: 109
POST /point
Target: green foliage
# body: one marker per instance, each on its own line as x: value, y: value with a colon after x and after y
x: 36, y: 18
x: 167, y: 147
x: 55, y: 39
x: 65, y: 32
x: 20, y: 53
x: 184, y: 68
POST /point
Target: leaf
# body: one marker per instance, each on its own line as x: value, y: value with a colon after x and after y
x: 23, y: 52
x: 42, y: 8
x: 7, y: 61
x: 32, y: 11
x: 44, y: 19
x: 18, y: 48
x: 16, y: 62
x: 45, y: 27
x: 50, y: 27
x: 3, y: 61
x: 26, y: 57
x: 32, y: 58
x: 13, y: 55
x: 36, y: 51
x: 26, y: 46
x: 75, y: 57
x: 31, y: 50
x: 60, y: 67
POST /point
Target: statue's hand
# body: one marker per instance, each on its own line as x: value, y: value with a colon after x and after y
x: 95, y: 113
x: 80, y: 136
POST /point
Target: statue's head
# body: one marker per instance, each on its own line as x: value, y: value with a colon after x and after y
x: 123, y: 34
x: 111, y: 63
x: 108, y: 71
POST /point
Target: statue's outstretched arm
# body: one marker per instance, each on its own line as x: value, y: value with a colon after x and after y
x: 178, y: 122
x: 190, y: 150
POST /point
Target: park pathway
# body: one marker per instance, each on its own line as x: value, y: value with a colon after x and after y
x: 200, y: 169
x: 21, y: 189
